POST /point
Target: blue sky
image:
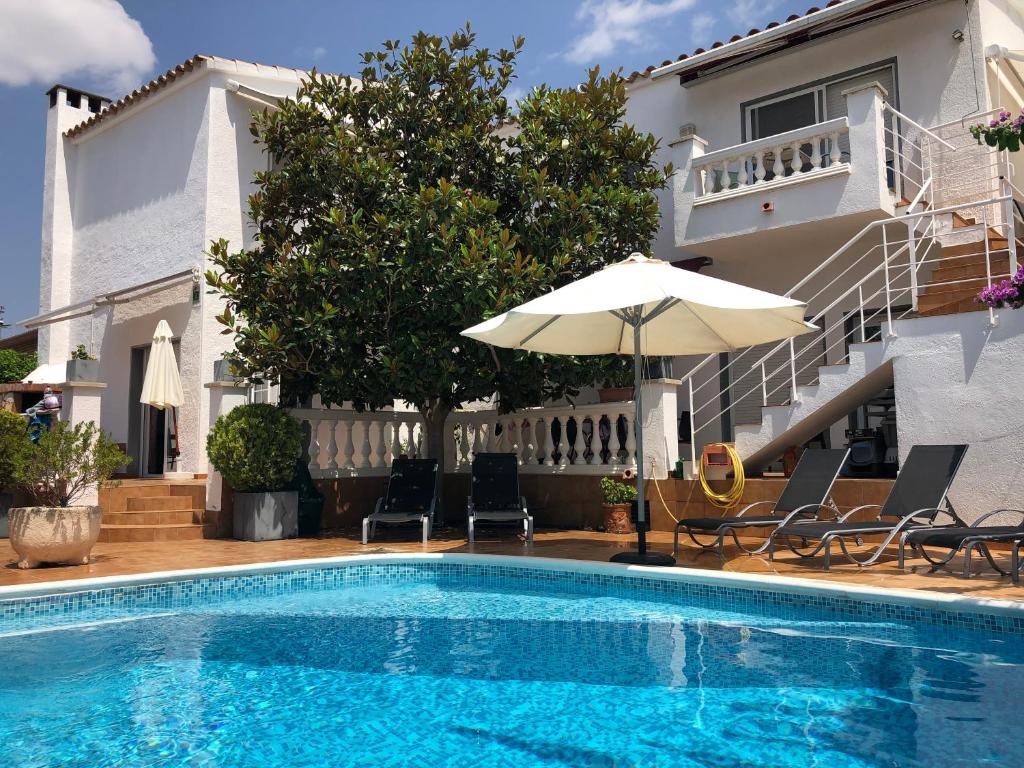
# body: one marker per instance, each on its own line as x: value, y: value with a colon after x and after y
x: 109, y: 47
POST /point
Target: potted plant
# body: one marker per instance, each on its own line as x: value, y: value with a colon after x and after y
x: 1005, y: 293
x: 65, y: 463
x: 616, y: 380
x: 1001, y: 132
x: 14, y: 445
x: 82, y: 366
x: 618, y: 500
x: 254, y: 447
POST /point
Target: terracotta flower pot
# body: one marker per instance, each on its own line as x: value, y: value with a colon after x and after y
x: 615, y: 394
x: 54, y: 534
x: 617, y: 518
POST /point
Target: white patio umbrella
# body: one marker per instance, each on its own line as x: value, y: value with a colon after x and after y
x: 161, y: 388
x: 638, y: 307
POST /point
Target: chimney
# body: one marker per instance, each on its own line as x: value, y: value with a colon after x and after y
x: 67, y: 108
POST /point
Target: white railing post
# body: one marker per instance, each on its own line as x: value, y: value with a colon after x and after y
x: 912, y: 254
x: 992, y: 319
x: 631, y: 458
x: 795, y: 395
x: 1008, y: 216
x: 332, y: 445
x: 888, y: 296
x: 860, y: 305
x: 764, y: 385
x: 693, y: 428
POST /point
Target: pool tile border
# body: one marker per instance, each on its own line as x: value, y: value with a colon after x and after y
x: 66, y: 602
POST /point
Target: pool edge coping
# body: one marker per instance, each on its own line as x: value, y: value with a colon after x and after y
x: 767, y: 582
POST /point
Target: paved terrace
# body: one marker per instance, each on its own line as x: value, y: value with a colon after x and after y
x: 110, y: 559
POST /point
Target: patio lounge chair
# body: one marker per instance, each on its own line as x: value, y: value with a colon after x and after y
x: 966, y: 539
x: 914, y: 502
x: 412, y: 488
x: 494, y: 493
x: 804, y: 495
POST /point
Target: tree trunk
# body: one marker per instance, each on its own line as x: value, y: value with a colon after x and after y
x: 434, y: 417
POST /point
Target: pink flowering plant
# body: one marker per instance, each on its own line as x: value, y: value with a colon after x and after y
x: 1005, y: 293
x: 1003, y: 131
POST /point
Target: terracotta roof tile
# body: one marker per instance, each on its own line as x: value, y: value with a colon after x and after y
x: 636, y: 75
x: 155, y: 84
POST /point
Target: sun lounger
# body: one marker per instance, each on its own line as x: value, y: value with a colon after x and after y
x: 494, y: 493
x: 967, y: 539
x: 410, y: 495
x: 915, y: 501
x: 804, y: 496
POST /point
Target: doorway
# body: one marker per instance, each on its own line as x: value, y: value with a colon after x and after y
x: 152, y: 433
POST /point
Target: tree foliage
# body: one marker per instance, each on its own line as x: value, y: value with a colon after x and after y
x: 67, y: 461
x: 14, y: 365
x: 14, y: 448
x: 406, y: 205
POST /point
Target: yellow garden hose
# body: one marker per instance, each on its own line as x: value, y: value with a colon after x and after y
x: 735, y: 493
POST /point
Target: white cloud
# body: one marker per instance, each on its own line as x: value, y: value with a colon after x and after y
x: 614, y: 22
x: 751, y: 13
x: 700, y: 25
x: 312, y: 54
x: 47, y: 41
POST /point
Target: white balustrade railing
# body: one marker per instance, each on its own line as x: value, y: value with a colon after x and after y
x: 801, y: 153
x: 344, y: 443
x: 589, y: 439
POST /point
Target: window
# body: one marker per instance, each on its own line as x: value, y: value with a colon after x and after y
x: 788, y: 113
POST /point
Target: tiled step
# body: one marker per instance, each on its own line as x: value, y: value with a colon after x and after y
x: 157, y: 503
x: 965, y: 285
x: 927, y: 302
x: 970, y: 268
x: 954, y: 307
x: 155, y: 517
x: 163, y: 532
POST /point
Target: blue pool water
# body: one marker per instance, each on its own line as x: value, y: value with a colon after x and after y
x: 452, y: 672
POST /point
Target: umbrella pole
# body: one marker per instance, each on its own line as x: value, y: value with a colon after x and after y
x: 641, y: 556
x: 641, y: 528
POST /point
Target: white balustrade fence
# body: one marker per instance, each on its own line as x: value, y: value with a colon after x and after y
x: 343, y: 443
x: 772, y: 160
x: 590, y: 439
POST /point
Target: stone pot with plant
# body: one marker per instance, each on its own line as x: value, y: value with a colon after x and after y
x: 616, y: 377
x: 14, y: 446
x: 82, y: 366
x: 618, y: 500
x: 67, y: 463
x: 254, y: 447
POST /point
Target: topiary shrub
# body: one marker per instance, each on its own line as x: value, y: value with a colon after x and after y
x: 255, y: 447
x: 14, y: 448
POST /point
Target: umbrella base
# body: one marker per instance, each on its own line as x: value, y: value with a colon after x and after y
x: 645, y: 558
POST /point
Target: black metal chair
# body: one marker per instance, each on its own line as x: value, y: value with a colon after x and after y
x: 494, y: 493
x: 975, y: 536
x: 805, y: 494
x: 914, y: 501
x: 410, y: 496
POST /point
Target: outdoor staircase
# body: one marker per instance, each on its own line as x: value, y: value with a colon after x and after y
x: 839, y: 390
x: 953, y: 287
x: 153, y: 510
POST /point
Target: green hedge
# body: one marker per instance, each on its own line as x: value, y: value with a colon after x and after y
x: 255, y: 447
x: 15, y: 366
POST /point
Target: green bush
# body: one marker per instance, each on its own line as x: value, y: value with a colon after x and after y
x: 14, y: 447
x: 67, y: 461
x: 15, y: 366
x: 255, y: 447
x: 617, y: 492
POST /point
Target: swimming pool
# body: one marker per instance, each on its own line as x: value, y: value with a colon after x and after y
x: 458, y: 661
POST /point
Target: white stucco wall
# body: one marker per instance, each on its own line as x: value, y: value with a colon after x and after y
x: 958, y: 381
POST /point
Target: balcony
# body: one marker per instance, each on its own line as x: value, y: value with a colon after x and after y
x: 823, y: 182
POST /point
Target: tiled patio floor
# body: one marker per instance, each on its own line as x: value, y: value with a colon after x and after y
x: 116, y: 559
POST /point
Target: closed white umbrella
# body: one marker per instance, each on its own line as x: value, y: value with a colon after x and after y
x: 162, y: 386
x: 643, y: 306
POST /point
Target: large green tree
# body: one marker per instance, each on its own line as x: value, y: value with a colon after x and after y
x: 409, y: 204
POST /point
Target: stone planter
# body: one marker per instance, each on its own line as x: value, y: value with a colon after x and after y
x: 6, y: 500
x: 82, y: 370
x: 265, y: 516
x: 54, y: 534
x: 616, y: 518
x: 615, y: 394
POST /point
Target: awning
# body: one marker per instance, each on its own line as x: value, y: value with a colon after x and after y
x: 122, y: 296
x: 1009, y: 71
x: 47, y: 373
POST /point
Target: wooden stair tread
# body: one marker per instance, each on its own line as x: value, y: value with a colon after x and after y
x: 117, y: 527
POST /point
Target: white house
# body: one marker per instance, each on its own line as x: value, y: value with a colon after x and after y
x: 827, y: 156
